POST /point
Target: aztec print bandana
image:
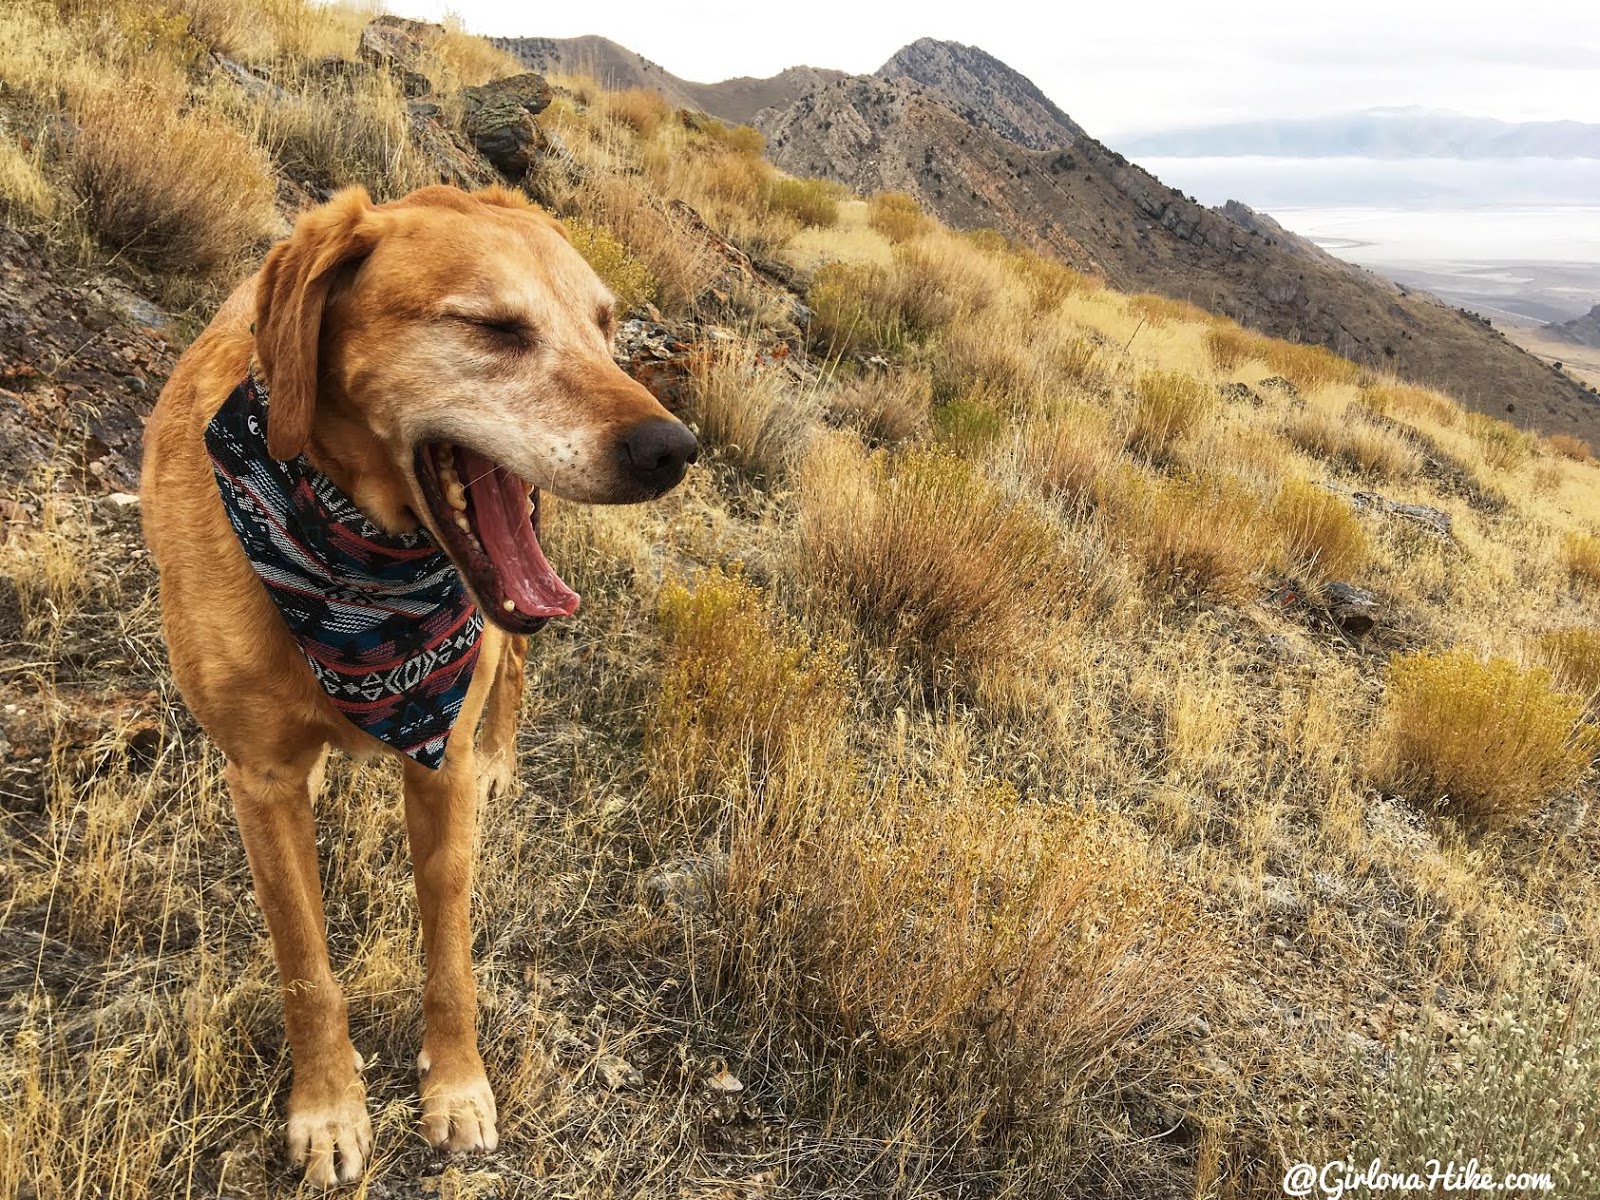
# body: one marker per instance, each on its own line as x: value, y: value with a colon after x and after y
x: 383, y: 619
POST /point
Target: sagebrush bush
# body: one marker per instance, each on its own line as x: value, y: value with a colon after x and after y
x: 180, y: 192
x: 1167, y: 406
x: 885, y: 407
x: 1482, y: 742
x: 813, y: 202
x: 896, y: 215
x: 628, y: 278
x: 1351, y: 441
x: 1322, y: 537
x: 965, y: 969
x: 1515, y: 1086
x: 1199, y: 535
x: 1580, y: 555
x: 1574, y: 657
x: 741, y: 690
x: 750, y: 410
x: 931, y: 559
x: 1571, y: 447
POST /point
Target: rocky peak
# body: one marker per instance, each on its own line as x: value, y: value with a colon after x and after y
x: 985, y: 91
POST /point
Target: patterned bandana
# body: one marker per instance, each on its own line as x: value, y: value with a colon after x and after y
x: 382, y: 618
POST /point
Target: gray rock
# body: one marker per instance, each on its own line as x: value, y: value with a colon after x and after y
x: 398, y: 44
x: 1353, y: 609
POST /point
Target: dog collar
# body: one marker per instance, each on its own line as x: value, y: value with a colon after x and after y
x: 383, y: 619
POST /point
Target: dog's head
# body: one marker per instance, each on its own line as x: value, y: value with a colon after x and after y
x: 468, y: 346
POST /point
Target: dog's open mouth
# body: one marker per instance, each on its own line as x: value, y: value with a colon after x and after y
x: 489, y: 519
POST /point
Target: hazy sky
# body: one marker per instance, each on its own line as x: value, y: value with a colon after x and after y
x: 1126, y: 66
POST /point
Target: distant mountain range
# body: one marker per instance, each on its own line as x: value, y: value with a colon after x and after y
x: 617, y: 67
x: 1375, y: 133
x: 981, y: 146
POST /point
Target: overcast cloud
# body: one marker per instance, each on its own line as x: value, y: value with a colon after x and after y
x: 1126, y: 67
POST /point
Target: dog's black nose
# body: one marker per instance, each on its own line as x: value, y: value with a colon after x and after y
x: 657, y: 452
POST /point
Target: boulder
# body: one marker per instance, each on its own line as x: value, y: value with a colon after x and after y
x: 1353, y: 609
x: 398, y: 45
x: 498, y: 117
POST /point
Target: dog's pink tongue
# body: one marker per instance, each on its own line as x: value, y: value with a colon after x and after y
x: 500, y: 509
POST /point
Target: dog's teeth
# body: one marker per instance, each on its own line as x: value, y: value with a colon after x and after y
x: 464, y: 524
x: 530, y: 506
x: 457, y: 496
x: 509, y: 605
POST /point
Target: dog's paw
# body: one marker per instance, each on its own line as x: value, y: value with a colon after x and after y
x: 329, y: 1133
x: 458, y: 1110
x: 498, y: 776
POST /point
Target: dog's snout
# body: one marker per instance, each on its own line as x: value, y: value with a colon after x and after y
x: 656, y: 452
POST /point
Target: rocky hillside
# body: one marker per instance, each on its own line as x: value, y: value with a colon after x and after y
x: 978, y: 144
x: 615, y: 66
x: 1583, y: 331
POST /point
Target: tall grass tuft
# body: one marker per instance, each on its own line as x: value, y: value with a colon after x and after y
x: 930, y: 558
x: 1167, y: 406
x: 750, y: 410
x: 180, y: 192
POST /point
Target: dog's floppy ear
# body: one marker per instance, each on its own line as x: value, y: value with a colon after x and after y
x: 290, y: 296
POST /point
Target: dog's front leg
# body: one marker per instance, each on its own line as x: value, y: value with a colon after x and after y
x: 329, y: 1130
x: 458, y: 1111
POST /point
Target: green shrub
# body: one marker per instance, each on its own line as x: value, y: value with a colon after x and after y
x: 628, y: 278
x: 810, y: 201
x: 1483, y: 742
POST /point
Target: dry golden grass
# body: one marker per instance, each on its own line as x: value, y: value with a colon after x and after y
x: 1048, y: 949
x: 885, y: 407
x: 1232, y: 347
x: 1199, y: 536
x: 847, y: 832
x: 742, y: 692
x: 1163, y: 310
x: 333, y: 132
x: 180, y: 192
x: 1168, y: 405
x: 1482, y: 742
x: 678, y: 257
x: 1322, y: 538
x: 750, y: 410
x: 24, y: 190
x: 1351, y: 442
x: 809, y: 201
x: 1067, y: 454
x: 932, y: 560
x: 1307, y: 367
x: 1504, y: 447
x: 1580, y: 555
x: 1573, y: 656
x: 641, y: 109
x: 1567, y: 446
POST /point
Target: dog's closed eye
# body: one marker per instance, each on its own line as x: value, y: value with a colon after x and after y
x: 504, y: 331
